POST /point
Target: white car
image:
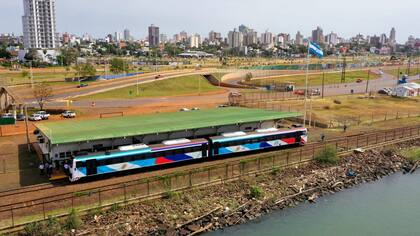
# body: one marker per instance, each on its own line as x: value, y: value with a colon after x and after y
x: 35, y: 117
x: 44, y: 115
x: 7, y: 115
x: 68, y: 114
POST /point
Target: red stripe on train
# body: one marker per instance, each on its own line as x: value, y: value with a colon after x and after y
x: 289, y: 140
x: 162, y: 160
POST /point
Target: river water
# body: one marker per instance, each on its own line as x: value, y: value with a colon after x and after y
x: 390, y: 206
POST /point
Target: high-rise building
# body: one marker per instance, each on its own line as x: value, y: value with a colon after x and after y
x: 183, y: 36
x: 243, y: 29
x: 331, y: 39
x: 283, y: 39
x: 267, y: 38
x: 39, y: 25
x: 163, y: 38
x: 299, y: 38
x: 250, y: 37
x: 117, y: 36
x: 318, y: 35
x: 375, y: 41
x: 383, y: 39
x: 153, y: 36
x: 235, y: 39
x: 195, y: 41
x: 392, y: 36
x: 127, y: 35
x: 215, y: 37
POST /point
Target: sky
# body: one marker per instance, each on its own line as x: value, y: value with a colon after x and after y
x: 347, y: 18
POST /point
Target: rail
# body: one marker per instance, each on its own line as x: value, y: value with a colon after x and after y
x: 19, y: 214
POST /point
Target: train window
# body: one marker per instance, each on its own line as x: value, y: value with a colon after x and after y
x: 62, y: 154
x: 80, y: 164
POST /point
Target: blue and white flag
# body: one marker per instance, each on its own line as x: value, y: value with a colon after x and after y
x: 315, y: 49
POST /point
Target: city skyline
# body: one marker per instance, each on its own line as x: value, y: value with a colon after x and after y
x: 112, y: 18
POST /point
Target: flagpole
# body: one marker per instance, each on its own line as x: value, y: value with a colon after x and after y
x: 306, y: 85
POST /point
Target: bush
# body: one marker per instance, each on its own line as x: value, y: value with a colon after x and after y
x: 73, y: 221
x: 255, y: 192
x: 115, y: 207
x: 171, y: 194
x: 327, y: 156
x: 33, y: 229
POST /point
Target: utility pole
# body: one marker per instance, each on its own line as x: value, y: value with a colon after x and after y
x: 398, y: 75
x: 367, y: 81
x: 323, y: 84
x: 343, y: 72
x: 409, y: 66
x: 31, y: 74
x: 28, y: 141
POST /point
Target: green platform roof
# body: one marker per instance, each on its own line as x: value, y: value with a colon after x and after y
x: 60, y: 132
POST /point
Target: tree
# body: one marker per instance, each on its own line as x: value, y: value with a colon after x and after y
x: 5, y: 54
x: 118, y: 65
x: 32, y: 55
x: 68, y: 56
x: 42, y: 93
x: 85, y: 70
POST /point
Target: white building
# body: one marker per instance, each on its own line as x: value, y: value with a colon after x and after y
x: 39, y: 27
x: 235, y: 39
x: 195, y: 41
x: 407, y: 90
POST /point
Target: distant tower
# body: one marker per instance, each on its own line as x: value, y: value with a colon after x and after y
x: 392, y: 36
x: 299, y: 38
x: 153, y: 36
x: 127, y: 35
x: 39, y: 27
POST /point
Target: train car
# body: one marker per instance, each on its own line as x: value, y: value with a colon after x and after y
x: 240, y: 142
x: 137, y: 156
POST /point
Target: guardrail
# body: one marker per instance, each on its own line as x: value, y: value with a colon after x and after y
x: 22, y: 213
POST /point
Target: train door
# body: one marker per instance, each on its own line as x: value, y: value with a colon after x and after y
x: 91, y: 167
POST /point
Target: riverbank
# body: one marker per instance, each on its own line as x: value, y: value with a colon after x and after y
x: 233, y: 203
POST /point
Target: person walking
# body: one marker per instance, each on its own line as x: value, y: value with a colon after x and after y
x: 66, y: 168
x: 345, y: 128
x: 322, y: 137
x: 47, y: 169
x: 41, y: 168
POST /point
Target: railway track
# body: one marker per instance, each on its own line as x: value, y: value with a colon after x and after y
x: 63, y: 187
x: 50, y: 196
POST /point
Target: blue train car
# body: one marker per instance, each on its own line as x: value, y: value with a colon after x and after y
x: 238, y: 142
x: 137, y: 156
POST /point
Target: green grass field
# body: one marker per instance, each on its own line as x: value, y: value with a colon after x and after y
x: 193, y: 84
x: 404, y: 71
x: 316, y: 79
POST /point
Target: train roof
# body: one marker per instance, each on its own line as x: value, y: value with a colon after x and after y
x: 257, y: 133
x: 142, y: 148
x: 61, y: 132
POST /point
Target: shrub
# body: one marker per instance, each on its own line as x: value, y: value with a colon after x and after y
x: 255, y: 192
x: 327, y: 156
x: 33, y: 229
x: 115, y: 207
x: 72, y: 221
x: 171, y: 194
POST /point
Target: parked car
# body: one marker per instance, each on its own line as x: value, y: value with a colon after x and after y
x: 35, y: 117
x: 82, y: 85
x: 68, y: 114
x: 44, y: 115
x: 20, y: 117
x: 315, y: 92
x: 7, y: 116
x: 385, y: 91
x: 359, y: 81
x: 184, y: 109
x: 158, y: 76
x: 222, y: 106
x: 195, y: 109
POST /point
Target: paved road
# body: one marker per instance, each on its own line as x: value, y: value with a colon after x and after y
x: 330, y: 90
